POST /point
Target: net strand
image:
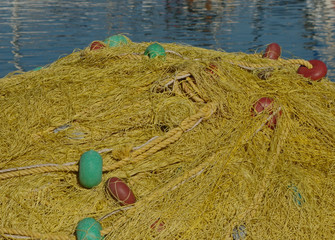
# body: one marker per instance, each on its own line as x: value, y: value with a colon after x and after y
x: 151, y: 147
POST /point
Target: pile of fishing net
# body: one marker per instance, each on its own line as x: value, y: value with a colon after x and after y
x: 205, y: 144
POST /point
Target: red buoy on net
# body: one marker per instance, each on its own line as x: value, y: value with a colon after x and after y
x: 262, y: 104
x: 273, y: 51
x: 96, y: 45
x: 212, y: 69
x: 318, y: 71
x: 120, y: 191
x: 158, y: 225
x: 266, y: 104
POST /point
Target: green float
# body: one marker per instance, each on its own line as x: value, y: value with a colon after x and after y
x: 88, y: 229
x: 155, y: 50
x: 116, y: 40
x: 297, y: 197
x: 90, y: 169
x: 37, y: 68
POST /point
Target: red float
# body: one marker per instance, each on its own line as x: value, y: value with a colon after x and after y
x: 120, y: 191
x: 273, y: 51
x: 96, y: 45
x: 212, y: 68
x: 158, y: 225
x: 262, y: 104
x: 266, y: 104
x: 318, y: 71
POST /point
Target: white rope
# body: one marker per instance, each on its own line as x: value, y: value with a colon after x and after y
x: 114, y: 212
x: 177, y: 78
x: 196, y: 124
x: 150, y: 140
x: 100, y: 151
x: 66, y: 164
x: 105, y: 150
x: 37, y: 166
x: 16, y: 236
x: 175, y: 53
x: 61, y: 128
x: 193, y: 176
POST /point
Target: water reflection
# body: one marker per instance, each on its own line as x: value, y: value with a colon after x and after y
x: 15, y: 23
x: 196, y: 21
x: 34, y: 33
x: 320, y: 24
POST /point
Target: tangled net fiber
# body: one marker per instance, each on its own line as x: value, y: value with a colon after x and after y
x: 181, y: 132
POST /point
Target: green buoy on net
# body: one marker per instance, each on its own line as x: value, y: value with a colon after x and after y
x: 155, y: 50
x: 88, y: 229
x: 90, y: 169
x: 37, y: 68
x: 116, y: 40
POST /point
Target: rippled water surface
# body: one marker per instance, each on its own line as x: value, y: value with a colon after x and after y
x: 36, y: 33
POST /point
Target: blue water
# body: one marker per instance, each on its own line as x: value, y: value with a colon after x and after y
x: 36, y: 33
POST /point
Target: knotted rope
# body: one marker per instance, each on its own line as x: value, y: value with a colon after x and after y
x: 136, y: 156
x: 272, y: 63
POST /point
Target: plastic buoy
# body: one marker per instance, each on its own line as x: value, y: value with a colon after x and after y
x: 273, y: 51
x: 158, y: 225
x: 116, y: 40
x: 88, y: 229
x: 120, y: 191
x: 96, y: 45
x: 155, y: 50
x: 37, y: 68
x: 90, y: 169
x: 318, y: 71
x: 266, y: 104
x: 212, y: 69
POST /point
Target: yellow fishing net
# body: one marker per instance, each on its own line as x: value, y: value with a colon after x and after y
x: 181, y: 133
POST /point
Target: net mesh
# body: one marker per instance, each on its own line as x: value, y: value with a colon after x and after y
x: 180, y: 132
